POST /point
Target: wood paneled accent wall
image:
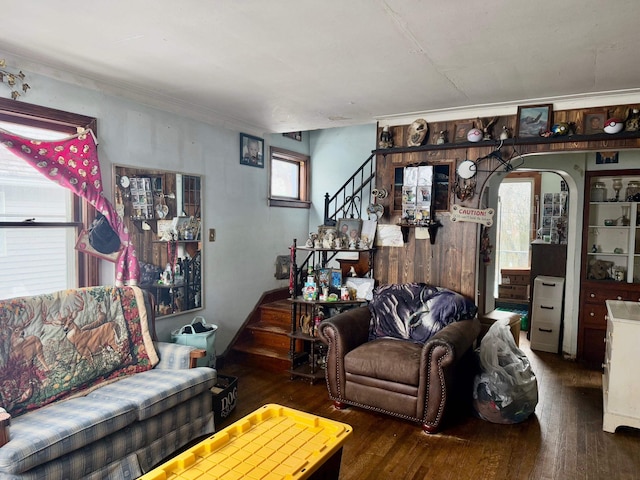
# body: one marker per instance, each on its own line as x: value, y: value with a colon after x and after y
x: 453, y: 260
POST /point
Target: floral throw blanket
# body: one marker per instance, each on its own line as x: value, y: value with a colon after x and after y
x: 415, y: 311
x: 55, y: 345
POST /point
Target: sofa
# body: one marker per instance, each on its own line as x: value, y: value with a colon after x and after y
x: 407, y: 354
x: 90, y: 392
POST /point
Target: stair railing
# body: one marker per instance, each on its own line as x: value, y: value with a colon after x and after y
x: 352, y: 196
x: 350, y: 201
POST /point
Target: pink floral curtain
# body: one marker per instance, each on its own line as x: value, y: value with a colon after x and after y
x: 73, y: 163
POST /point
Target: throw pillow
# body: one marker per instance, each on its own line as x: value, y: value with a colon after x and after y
x: 415, y: 311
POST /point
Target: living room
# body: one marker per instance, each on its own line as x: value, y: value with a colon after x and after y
x: 239, y: 265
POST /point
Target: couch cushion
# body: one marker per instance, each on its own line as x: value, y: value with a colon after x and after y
x: 415, y: 311
x: 61, y: 343
x: 387, y: 359
x: 60, y: 428
x: 157, y: 390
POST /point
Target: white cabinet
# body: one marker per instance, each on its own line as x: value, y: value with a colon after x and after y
x: 620, y: 381
x: 546, y: 313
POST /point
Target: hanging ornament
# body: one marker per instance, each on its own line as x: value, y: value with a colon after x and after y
x: 485, y: 246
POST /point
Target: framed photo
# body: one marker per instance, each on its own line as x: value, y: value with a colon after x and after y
x: 283, y: 267
x: 461, y: 130
x: 606, y: 157
x: 593, y: 121
x: 294, y: 135
x: 251, y: 150
x: 350, y: 228
x: 533, y: 119
x: 336, y: 278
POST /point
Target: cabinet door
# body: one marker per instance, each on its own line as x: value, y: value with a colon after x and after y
x: 593, y: 346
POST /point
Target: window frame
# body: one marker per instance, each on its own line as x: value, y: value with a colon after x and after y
x: 88, y: 268
x: 304, y: 178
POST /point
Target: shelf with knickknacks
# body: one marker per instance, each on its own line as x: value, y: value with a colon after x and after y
x: 324, y: 293
x: 318, y: 289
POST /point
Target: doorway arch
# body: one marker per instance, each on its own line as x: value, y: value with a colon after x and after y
x: 571, y: 168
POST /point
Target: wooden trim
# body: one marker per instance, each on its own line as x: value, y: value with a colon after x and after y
x: 194, y: 355
x: 304, y: 180
x: 44, y: 117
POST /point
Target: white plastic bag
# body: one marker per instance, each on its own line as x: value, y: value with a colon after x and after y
x: 506, y: 390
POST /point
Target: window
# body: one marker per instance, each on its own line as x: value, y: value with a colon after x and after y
x: 39, y: 220
x: 288, y: 179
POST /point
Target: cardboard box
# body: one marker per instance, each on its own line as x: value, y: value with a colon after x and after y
x: 515, y: 276
x: 520, y: 292
x: 490, y: 318
x: 225, y: 397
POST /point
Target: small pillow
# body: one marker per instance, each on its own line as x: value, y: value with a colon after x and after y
x: 415, y: 311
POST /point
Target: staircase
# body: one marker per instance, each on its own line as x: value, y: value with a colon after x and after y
x: 264, y: 340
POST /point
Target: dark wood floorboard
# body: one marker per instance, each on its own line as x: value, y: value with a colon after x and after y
x: 563, y: 440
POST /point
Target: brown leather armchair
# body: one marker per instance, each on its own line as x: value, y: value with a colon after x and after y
x: 396, y: 377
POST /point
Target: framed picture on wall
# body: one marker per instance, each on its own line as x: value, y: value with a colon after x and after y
x: 294, y: 135
x: 251, y: 150
x: 460, y: 131
x: 532, y: 120
x: 593, y: 121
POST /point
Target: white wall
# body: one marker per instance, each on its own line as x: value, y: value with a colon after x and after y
x: 336, y: 154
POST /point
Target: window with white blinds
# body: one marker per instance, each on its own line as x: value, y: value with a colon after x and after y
x: 34, y: 259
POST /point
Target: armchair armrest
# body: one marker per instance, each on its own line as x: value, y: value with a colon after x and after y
x: 342, y: 333
x: 176, y: 357
x: 441, y: 362
x: 347, y: 329
x: 458, y: 336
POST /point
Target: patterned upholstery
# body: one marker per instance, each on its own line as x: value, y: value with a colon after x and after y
x: 117, y: 429
x: 130, y: 452
x: 155, y: 391
x: 49, y: 433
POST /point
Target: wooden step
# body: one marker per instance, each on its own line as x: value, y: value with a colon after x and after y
x: 269, y: 337
x: 271, y: 328
x: 276, y: 313
x: 271, y: 359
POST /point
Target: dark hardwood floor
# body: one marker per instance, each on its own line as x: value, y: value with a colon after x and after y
x: 562, y: 440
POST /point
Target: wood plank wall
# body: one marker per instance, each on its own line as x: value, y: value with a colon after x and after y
x: 452, y: 262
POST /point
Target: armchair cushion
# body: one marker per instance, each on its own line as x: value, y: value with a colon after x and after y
x: 416, y: 311
x: 386, y: 359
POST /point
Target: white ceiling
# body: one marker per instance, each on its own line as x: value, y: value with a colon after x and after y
x: 288, y: 65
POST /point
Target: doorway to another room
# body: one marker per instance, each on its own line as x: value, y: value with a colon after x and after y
x: 531, y: 215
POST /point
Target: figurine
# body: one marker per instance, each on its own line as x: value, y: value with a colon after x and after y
x: 505, y: 133
x: 486, y: 126
x: 417, y: 132
x: 310, y: 243
x: 386, y: 139
x: 632, y: 124
x: 442, y: 138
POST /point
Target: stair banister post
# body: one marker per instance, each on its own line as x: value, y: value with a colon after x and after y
x: 326, y: 207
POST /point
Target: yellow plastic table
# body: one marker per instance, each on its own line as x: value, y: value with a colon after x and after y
x: 274, y: 442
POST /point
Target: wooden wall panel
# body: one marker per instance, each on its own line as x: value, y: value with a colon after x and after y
x: 452, y: 261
